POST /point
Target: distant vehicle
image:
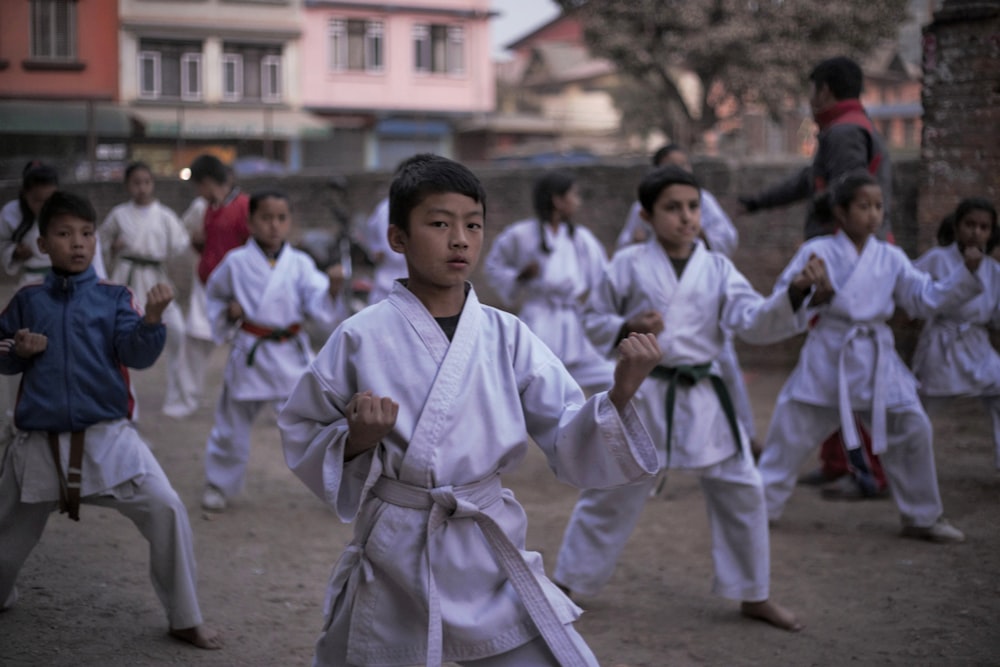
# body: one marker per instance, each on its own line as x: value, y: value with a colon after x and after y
x: 258, y: 166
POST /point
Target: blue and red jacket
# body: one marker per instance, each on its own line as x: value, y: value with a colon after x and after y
x: 94, y: 333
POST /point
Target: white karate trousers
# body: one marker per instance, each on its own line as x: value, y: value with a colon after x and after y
x: 151, y: 504
x: 228, y: 448
x: 603, y: 519
x: 908, y: 461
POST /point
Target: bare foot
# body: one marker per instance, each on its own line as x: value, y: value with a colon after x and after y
x: 199, y: 635
x: 773, y: 613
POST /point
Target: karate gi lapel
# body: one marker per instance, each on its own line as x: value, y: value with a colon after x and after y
x: 453, y: 360
x: 274, y: 306
x: 854, y: 287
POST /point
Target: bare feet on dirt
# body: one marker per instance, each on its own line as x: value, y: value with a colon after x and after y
x: 199, y: 636
x: 773, y: 613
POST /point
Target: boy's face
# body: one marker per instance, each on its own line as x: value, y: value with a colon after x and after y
x: 271, y: 223
x: 974, y: 229
x: 864, y: 214
x: 69, y: 242
x: 443, y: 243
x: 676, y: 218
x: 821, y: 98
x: 140, y: 187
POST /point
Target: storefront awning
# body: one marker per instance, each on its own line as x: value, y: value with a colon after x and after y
x: 195, y: 123
x: 63, y: 117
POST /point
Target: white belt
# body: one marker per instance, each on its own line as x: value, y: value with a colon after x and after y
x: 465, y: 502
x: 875, y: 331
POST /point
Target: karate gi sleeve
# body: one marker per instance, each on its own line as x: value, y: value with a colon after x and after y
x: 633, y: 223
x: 587, y: 443
x: 504, y: 262
x: 314, y: 429
x: 922, y: 297
x: 10, y: 218
x: 11, y: 320
x: 324, y: 309
x: 718, y: 228
x: 218, y: 293
x: 106, y: 235
x: 137, y: 344
x: 178, y: 238
x: 753, y: 318
x: 601, y: 316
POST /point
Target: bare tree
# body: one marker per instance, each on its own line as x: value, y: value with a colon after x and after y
x: 739, y: 51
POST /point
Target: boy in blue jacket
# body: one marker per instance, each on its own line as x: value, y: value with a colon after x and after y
x: 72, y: 338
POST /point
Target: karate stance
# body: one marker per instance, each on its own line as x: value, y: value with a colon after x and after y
x: 257, y: 298
x: 404, y: 424
x: 848, y: 365
x: 71, y: 337
x: 690, y: 297
x: 954, y: 356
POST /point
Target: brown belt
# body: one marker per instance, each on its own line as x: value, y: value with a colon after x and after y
x: 69, y: 484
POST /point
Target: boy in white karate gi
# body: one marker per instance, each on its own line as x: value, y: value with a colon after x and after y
x: 954, y: 355
x: 71, y: 336
x: 404, y: 424
x: 849, y: 366
x: 691, y: 298
x: 257, y: 297
x: 720, y: 235
x: 141, y: 235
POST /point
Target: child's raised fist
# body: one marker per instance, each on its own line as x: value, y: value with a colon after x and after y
x: 157, y: 300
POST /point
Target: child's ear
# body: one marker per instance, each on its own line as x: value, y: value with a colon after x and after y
x: 42, y: 247
x: 644, y: 214
x: 397, y: 239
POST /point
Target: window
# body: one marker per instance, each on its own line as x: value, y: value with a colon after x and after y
x: 170, y: 70
x: 357, y: 45
x: 232, y: 77
x: 53, y: 29
x: 439, y: 48
x: 251, y: 72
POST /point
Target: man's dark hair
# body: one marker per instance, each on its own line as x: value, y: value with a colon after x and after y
x: 841, y: 75
x: 659, y: 180
x: 427, y: 174
x: 208, y: 167
x: 65, y: 203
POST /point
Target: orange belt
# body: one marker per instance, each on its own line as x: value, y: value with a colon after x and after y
x: 278, y: 335
x: 69, y: 484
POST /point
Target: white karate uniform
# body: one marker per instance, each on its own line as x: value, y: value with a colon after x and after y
x: 550, y: 303
x: 392, y: 264
x: 849, y: 364
x: 434, y: 529
x: 722, y: 237
x: 198, y: 343
x: 710, y: 298
x: 148, y: 236
x: 954, y: 355
x: 118, y: 471
x: 275, y: 297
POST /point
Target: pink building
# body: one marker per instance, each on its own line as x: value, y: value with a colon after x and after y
x: 394, y: 78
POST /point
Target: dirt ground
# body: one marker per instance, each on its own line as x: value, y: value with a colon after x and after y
x: 868, y: 597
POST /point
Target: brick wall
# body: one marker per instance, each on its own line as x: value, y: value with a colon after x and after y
x: 767, y: 240
x: 961, y: 100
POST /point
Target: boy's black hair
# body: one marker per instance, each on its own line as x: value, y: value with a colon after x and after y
x: 260, y: 195
x: 427, y: 174
x: 948, y: 230
x: 549, y: 185
x: 660, y: 179
x: 34, y: 174
x: 663, y: 151
x: 65, y: 203
x: 134, y: 167
x: 841, y: 75
x: 208, y: 167
x: 846, y: 186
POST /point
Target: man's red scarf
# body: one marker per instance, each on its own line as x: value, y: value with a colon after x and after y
x: 847, y: 112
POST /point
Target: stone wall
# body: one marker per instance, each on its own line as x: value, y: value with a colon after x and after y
x: 961, y: 100
x: 767, y: 240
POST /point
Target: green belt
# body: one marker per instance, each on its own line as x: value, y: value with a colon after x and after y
x: 138, y: 261
x: 689, y: 375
